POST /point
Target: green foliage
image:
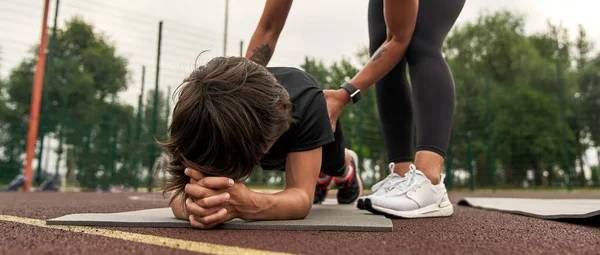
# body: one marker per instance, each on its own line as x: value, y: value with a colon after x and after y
x: 589, y: 93
x: 83, y: 78
x: 595, y: 175
x: 530, y: 77
x: 9, y: 122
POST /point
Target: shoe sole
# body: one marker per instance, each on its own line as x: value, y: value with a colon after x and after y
x: 354, y: 157
x: 430, y: 211
x: 369, y: 207
x: 360, y: 204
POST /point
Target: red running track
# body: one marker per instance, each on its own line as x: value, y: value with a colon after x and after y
x: 468, y: 231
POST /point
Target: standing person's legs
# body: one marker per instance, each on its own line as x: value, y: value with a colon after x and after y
x: 433, y: 85
x: 393, y: 97
x: 433, y: 93
x: 394, y: 105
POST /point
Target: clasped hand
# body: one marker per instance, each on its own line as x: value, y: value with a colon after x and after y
x: 212, y: 200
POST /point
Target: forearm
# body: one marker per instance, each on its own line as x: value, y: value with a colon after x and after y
x: 295, y: 201
x: 289, y: 204
x: 381, y: 63
x: 262, y: 46
x: 400, y: 18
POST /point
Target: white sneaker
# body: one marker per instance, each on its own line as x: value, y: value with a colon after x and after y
x: 382, y: 186
x: 418, y: 199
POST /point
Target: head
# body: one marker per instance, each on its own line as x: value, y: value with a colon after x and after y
x: 229, y: 112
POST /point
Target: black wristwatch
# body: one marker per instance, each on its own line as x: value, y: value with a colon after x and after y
x: 354, y: 92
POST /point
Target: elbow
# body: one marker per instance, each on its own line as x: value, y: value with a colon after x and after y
x: 304, y: 205
x: 304, y: 210
x: 399, y: 40
x: 396, y: 46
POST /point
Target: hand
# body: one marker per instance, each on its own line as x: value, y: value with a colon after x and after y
x: 336, y: 101
x: 213, y: 200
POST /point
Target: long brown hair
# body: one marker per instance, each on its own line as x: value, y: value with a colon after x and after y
x: 229, y: 112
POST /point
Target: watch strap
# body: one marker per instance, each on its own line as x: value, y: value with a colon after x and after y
x: 353, y: 91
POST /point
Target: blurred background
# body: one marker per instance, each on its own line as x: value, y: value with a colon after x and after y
x: 527, y: 77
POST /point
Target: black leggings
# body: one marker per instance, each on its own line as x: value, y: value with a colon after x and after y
x: 431, y: 79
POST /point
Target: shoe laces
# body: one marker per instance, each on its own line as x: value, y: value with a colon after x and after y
x: 385, y: 183
x: 407, y: 182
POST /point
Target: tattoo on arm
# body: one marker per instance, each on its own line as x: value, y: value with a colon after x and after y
x: 378, y: 53
x: 261, y: 54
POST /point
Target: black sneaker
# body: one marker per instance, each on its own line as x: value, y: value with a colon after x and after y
x: 321, y: 191
x: 351, y: 189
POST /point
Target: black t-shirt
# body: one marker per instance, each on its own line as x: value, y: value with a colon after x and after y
x: 312, y: 128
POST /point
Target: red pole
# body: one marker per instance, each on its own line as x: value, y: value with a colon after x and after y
x: 36, y: 96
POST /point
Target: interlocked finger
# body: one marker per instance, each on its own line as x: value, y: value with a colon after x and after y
x: 208, y: 221
x: 198, y: 192
x: 212, y: 201
x: 195, y: 209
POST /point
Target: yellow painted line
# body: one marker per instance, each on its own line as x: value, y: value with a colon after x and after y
x: 181, y: 244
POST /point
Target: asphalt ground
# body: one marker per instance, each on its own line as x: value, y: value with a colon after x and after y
x: 468, y: 231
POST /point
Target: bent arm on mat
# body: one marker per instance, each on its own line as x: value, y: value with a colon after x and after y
x: 295, y: 201
x: 271, y: 23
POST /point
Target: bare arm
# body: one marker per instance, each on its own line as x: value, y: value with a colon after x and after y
x: 178, y: 208
x: 400, y: 18
x: 295, y: 201
x: 262, y: 45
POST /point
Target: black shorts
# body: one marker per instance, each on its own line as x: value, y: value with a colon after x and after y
x: 333, y: 162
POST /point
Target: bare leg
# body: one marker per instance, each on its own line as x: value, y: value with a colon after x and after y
x: 401, y: 168
x: 430, y: 163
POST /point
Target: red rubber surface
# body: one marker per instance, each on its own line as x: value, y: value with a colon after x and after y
x: 469, y: 230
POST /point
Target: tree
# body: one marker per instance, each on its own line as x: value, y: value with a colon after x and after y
x: 589, y: 93
x: 596, y: 175
x: 525, y: 97
x: 7, y: 156
x: 13, y: 126
x: 582, y: 49
x: 78, y: 106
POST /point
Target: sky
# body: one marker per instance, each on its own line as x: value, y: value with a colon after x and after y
x: 327, y: 30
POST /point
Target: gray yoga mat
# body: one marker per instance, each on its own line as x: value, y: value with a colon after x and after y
x: 321, y: 218
x: 551, y: 209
